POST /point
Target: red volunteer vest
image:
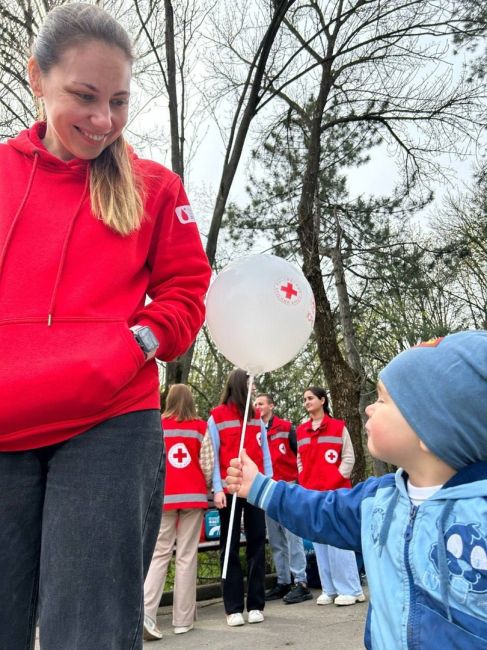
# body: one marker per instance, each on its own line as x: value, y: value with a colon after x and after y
x: 185, y: 485
x: 229, y: 423
x: 283, y: 460
x: 320, y: 452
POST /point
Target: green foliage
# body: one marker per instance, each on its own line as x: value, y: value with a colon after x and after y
x: 380, y: 261
x: 473, y: 32
x: 208, y: 374
x: 461, y: 227
x: 275, y: 186
x: 406, y: 302
x: 210, y: 369
x: 209, y: 567
x: 287, y: 384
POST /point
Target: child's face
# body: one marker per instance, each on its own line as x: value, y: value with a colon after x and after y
x: 389, y: 436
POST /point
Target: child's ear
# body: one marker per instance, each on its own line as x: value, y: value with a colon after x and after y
x: 423, y: 447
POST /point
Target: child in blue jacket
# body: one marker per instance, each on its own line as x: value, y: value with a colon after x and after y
x: 422, y: 530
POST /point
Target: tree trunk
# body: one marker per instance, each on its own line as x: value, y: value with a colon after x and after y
x: 342, y: 380
x: 177, y: 371
x: 177, y: 160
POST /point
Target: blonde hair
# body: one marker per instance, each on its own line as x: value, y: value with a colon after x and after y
x: 116, y: 192
x: 180, y: 404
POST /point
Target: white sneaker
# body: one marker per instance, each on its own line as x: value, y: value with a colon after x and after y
x: 325, y: 599
x: 151, y: 631
x: 341, y: 599
x: 234, y: 620
x: 256, y: 616
x: 182, y: 629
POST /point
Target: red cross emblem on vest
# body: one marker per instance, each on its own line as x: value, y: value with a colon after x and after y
x: 179, y: 456
x: 331, y: 456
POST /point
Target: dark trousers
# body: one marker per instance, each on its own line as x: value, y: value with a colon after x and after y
x: 233, y: 586
x: 78, y: 525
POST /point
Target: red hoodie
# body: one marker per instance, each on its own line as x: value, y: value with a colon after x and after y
x: 70, y: 288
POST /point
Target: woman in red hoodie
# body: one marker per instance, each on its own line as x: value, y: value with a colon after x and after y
x: 87, y: 231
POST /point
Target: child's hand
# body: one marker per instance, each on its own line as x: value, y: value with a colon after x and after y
x: 220, y: 500
x: 241, y: 474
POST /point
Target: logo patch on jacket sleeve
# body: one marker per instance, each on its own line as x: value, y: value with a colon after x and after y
x: 432, y: 343
x: 185, y: 214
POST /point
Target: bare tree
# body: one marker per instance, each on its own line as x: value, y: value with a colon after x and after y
x: 249, y: 99
x: 245, y: 111
x: 167, y: 36
x: 461, y: 246
x: 20, y: 20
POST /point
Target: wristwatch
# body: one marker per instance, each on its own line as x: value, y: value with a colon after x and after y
x: 146, y: 339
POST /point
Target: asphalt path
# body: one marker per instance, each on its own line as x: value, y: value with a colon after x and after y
x: 304, y: 625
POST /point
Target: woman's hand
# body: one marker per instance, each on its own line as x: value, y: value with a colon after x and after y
x: 220, y: 500
x: 241, y: 474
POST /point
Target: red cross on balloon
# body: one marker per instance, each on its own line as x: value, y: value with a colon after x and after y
x: 288, y: 292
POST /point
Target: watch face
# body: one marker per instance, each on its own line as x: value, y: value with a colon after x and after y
x: 147, y: 339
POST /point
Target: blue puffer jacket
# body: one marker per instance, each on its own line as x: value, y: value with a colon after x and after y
x: 426, y: 565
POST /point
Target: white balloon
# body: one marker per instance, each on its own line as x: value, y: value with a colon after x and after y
x: 260, y: 311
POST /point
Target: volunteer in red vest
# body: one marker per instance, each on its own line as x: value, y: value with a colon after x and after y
x: 225, y: 427
x: 287, y: 548
x: 189, y: 469
x: 325, y: 462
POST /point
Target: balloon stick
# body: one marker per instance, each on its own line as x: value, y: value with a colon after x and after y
x: 234, y: 497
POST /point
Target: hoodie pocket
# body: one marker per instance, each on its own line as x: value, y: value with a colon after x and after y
x: 68, y: 371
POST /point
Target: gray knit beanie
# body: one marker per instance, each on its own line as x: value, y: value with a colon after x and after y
x: 440, y: 387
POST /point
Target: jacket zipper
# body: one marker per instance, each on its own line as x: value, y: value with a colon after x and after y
x: 412, y: 610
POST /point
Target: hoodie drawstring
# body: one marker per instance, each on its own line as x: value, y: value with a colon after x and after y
x: 15, y: 220
x: 65, y: 249
x: 444, y: 574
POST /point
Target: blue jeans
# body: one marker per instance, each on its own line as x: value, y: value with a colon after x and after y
x: 287, y: 552
x: 338, y: 570
x: 78, y: 525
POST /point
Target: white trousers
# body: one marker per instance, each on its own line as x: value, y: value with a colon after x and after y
x: 338, y: 570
